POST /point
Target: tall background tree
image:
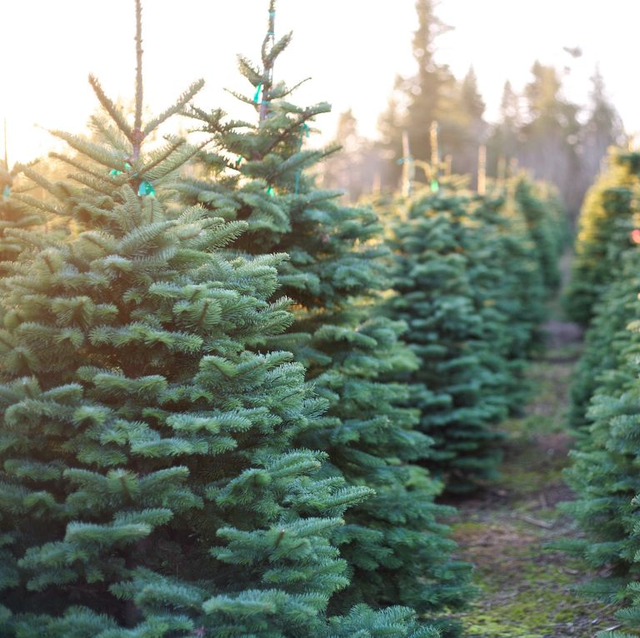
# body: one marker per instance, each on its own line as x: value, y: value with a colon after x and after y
x: 504, y: 139
x: 537, y: 128
x: 434, y: 95
x: 551, y: 132
x: 602, y: 129
x: 358, y: 166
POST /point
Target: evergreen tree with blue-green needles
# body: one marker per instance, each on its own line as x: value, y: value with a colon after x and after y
x: 603, y: 235
x: 257, y: 171
x: 149, y: 483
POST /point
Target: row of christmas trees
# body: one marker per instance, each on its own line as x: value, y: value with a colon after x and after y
x: 605, y: 409
x: 471, y: 275
x: 185, y: 451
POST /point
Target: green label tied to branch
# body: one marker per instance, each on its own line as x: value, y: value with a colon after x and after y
x: 256, y: 97
x: 146, y: 189
x: 6, y: 192
x: 115, y: 172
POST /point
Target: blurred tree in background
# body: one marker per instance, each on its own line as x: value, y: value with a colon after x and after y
x: 602, y: 129
x: 539, y: 129
x: 432, y: 94
x: 358, y: 167
x: 551, y: 131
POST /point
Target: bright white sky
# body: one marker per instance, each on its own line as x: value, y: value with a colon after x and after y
x: 351, y: 48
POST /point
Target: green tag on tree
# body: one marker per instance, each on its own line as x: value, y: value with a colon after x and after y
x: 146, y: 189
x: 256, y: 97
x: 115, y: 172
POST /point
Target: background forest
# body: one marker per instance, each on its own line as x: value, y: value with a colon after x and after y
x: 538, y: 129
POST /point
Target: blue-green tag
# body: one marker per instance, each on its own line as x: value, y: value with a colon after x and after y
x: 146, y: 189
x: 115, y: 172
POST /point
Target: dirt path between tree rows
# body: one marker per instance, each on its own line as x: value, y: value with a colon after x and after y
x: 527, y: 591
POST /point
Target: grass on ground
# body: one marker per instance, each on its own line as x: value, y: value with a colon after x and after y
x: 527, y: 591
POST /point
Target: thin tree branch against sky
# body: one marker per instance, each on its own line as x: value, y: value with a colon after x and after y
x: 352, y: 48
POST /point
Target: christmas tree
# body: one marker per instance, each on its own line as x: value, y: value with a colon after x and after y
x: 12, y: 215
x: 470, y: 287
x: 605, y: 407
x: 604, y: 472
x: 397, y: 549
x: 605, y: 345
x: 597, y: 286
x: 455, y: 389
x: 544, y: 220
x: 508, y: 280
x: 149, y: 483
x: 604, y: 234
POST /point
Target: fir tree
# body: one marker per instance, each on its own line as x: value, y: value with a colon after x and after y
x: 397, y: 549
x: 612, y: 334
x: 429, y: 88
x: 12, y: 216
x: 149, y: 485
x: 605, y: 406
x: 431, y: 95
x: 503, y: 143
x: 466, y: 129
x: 551, y: 134
x: 604, y: 472
x: 471, y: 101
x: 545, y: 231
x: 602, y: 129
x: 518, y: 291
x: 469, y: 286
x: 455, y: 392
x: 605, y: 346
x: 604, y: 234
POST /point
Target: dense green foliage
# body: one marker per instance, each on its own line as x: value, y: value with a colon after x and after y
x: 12, y: 216
x: 150, y: 482
x: 394, y: 543
x: 604, y: 348
x: 605, y: 393
x: 604, y: 473
x: 227, y: 402
x: 604, y: 227
x: 547, y: 226
x: 469, y: 276
x: 605, y: 236
x: 124, y: 374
